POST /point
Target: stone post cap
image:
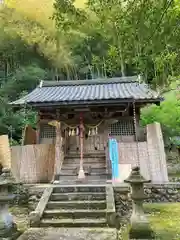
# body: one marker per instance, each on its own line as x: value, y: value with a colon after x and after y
x: 6, y: 177
x: 136, y: 177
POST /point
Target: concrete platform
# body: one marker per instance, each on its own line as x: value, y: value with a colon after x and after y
x: 69, y: 234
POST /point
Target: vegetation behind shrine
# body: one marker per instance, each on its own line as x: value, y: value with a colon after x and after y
x: 113, y: 38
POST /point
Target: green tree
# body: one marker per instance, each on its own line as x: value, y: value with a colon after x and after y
x: 123, y: 37
x: 30, y: 51
x: 168, y: 114
x: 24, y: 78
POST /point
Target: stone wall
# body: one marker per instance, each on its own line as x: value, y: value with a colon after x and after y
x: 149, y: 155
x: 163, y: 192
x: 155, y: 193
x: 123, y: 202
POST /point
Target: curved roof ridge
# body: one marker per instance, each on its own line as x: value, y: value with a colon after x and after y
x: 128, y: 79
x: 93, y: 91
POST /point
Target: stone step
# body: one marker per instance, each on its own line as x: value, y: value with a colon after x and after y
x: 72, y: 178
x: 75, y: 154
x: 65, y: 180
x: 76, y: 196
x: 100, y: 222
x: 71, y: 171
x: 74, y: 213
x: 95, y: 166
x: 101, y: 173
x: 98, y: 168
x: 68, y: 173
x: 101, y: 204
x: 85, y: 160
x: 93, y: 181
x: 88, y: 162
x: 74, y: 173
x: 79, y: 189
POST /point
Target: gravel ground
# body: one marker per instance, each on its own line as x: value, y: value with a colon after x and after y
x: 69, y: 234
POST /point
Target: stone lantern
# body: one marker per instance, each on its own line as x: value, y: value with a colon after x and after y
x: 8, y: 228
x: 140, y: 227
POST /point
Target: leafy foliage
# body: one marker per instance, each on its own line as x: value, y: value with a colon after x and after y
x: 28, y: 53
x: 168, y: 114
x: 24, y: 78
x: 125, y: 37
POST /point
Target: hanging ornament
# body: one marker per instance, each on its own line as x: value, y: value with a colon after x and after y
x: 96, y: 130
x: 69, y: 132
x: 77, y: 131
x: 93, y: 131
x: 73, y: 132
x: 89, y: 132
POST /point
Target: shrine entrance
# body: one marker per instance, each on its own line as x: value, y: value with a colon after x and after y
x: 91, y: 144
x: 86, y: 138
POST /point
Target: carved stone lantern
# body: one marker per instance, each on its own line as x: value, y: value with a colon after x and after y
x: 8, y: 228
x: 140, y: 227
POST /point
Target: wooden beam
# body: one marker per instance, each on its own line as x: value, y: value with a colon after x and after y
x: 38, y: 129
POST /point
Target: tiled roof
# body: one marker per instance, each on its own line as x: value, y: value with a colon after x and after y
x: 86, y: 91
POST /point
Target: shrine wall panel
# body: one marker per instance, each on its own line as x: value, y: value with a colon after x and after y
x: 33, y: 163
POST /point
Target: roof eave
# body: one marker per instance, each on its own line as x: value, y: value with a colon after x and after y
x: 93, y: 102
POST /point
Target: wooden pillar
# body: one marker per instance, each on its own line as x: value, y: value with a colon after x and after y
x: 59, y: 155
x: 81, y: 174
x: 58, y: 146
x: 38, y: 129
x: 137, y: 114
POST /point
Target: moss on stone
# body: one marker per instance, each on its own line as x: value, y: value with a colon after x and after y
x: 21, y: 217
x: 141, y: 233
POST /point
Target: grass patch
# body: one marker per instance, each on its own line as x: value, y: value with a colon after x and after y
x: 176, y: 174
x: 164, y: 219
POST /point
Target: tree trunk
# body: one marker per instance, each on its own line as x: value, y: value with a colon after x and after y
x: 122, y: 64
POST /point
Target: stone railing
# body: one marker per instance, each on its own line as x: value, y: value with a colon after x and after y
x: 108, y: 164
x: 110, y: 205
x: 35, y: 216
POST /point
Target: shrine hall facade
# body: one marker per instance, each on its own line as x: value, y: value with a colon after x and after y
x: 95, y: 128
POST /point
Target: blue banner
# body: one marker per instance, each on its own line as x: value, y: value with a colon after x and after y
x: 114, y: 157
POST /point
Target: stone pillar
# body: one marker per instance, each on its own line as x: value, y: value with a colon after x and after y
x: 139, y: 224
x: 8, y: 228
x: 157, y: 157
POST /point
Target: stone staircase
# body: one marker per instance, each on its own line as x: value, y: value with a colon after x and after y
x: 94, y: 167
x: 75, y: 206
